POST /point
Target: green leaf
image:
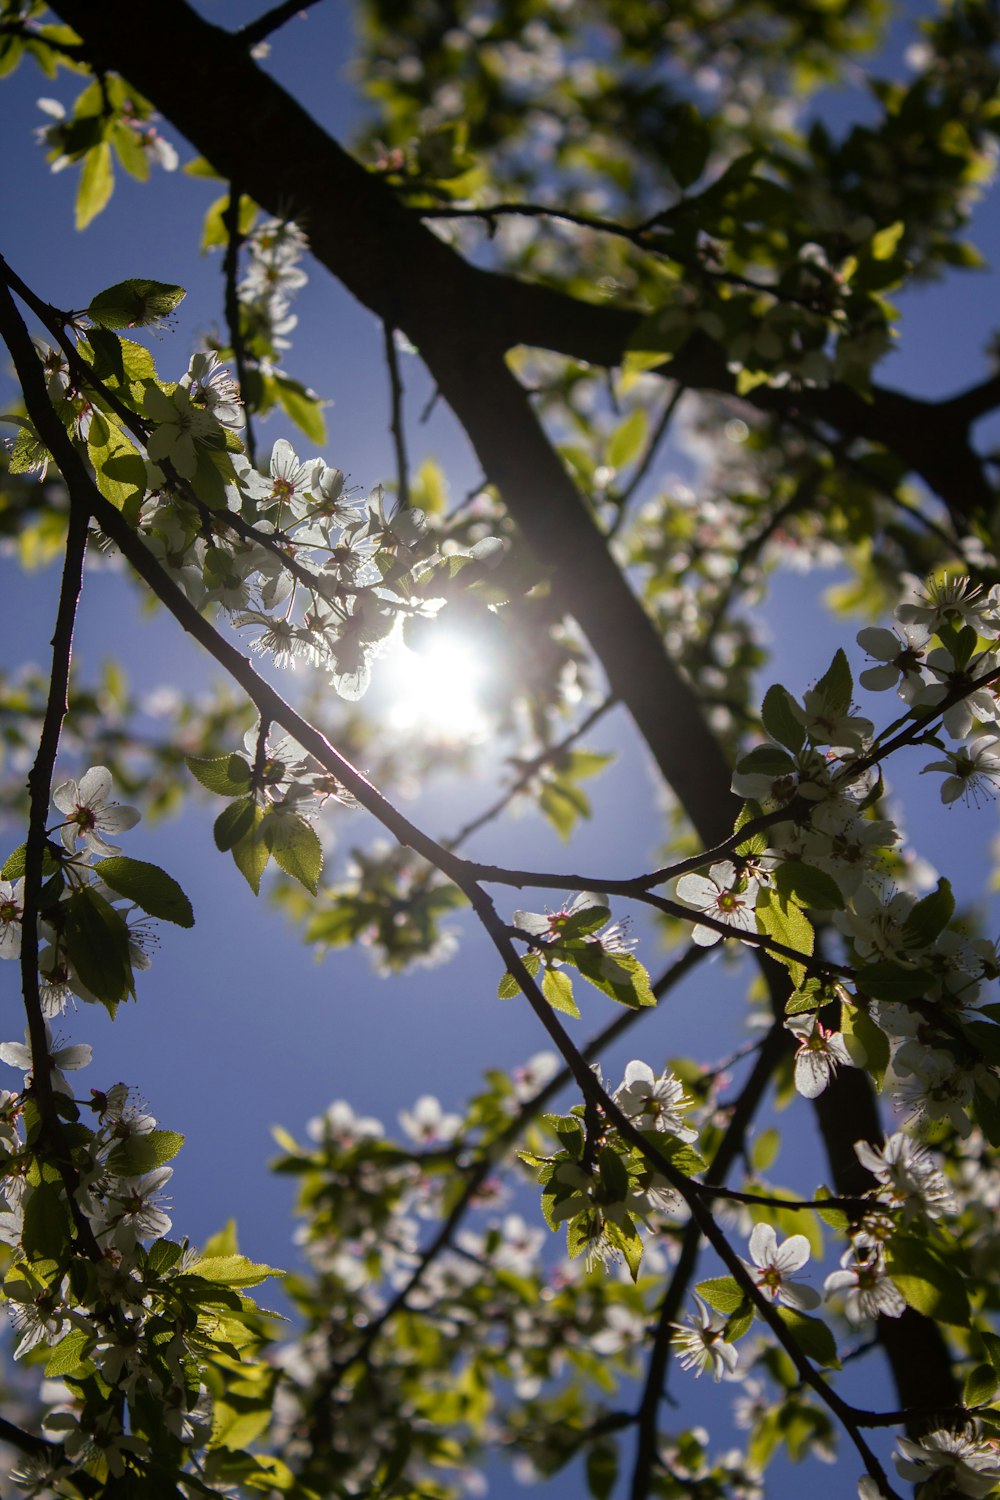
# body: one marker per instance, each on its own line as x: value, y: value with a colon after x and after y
x: 251, y: 854
x: 48, y: 1226
x: 141, y: 1153
x: 619, y: 975
x: 228, y: 775
x: 235, y: 822
x: 779, y: 719
x: 557, y: 987
x: 724, y: 1293
x: 836, y: 687
x: 929, y: 917
x: 926, y: 1282
x: 509, y: 988
x: 231, y: 1270
x: 812, y: 1336
x: 835, y: 1217
x: 602, y: 1469
x: 626, y: 1238
x: 980, y: 1386
x: 67, y: 1357
x: 687, y: 150
x: 13, y: 867
x: 787, y: 923
x: 766, y: 760
x: 886, y: 241
x: 119, y: 468
x: 811, y: 887
x: 96, y: 939
x: 866, y: 1043
x: 296, y: 848
x: 987, y: 1115
x: 97, y: 181
x: 739, y: 1323
x: 811, y: 996
x: 134, y: 303
x: 764, y: 1149
x: 627, y: 440
x: 303, y: 406
x: 583, y: 921
x: 149, y: 887
x: 756, y: 843
x: 163, y: 1255
x: 991, y: 1346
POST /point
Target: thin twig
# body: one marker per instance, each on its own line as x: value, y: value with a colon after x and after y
x: 396, y: 423
x: 529, y: 771
x: 39, y: 795
x: 231, y: 272
x: 636, y: 234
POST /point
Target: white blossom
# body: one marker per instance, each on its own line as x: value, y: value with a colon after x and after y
x: 11, y: 908
x: 18, y: 1055
x: 820, y: 1052
x: 773, y: 1265
x: 863, y: 1279
x: 700, y: 1344
x: 971, y: 772
x: 959, y: 1462
x: 722, y: 894
x: 427, y: 1123
x: 89, y: 814
x: 908, y: 1176
x: 653, y: 1103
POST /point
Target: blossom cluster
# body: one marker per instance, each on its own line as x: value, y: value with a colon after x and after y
x: 117, y: 1313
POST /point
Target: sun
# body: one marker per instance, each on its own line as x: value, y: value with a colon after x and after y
x: 436, y: 690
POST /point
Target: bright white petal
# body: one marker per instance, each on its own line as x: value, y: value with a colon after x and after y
x: 95, y: 786
x: 792, y: 1254
x: 763, y: 1244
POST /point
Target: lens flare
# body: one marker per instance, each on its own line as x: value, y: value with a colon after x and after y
x: 435, y: 690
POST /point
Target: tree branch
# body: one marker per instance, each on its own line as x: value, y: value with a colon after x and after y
x: 267, y: 24
x: 397, y: 429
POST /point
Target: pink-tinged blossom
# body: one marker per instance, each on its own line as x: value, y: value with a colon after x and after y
x: 773, y: 1265
x: 701, y: 1346
x: 722, y: 894
x: 959, y: 1463
x: 819, y: 1055
x: 88, y: 813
